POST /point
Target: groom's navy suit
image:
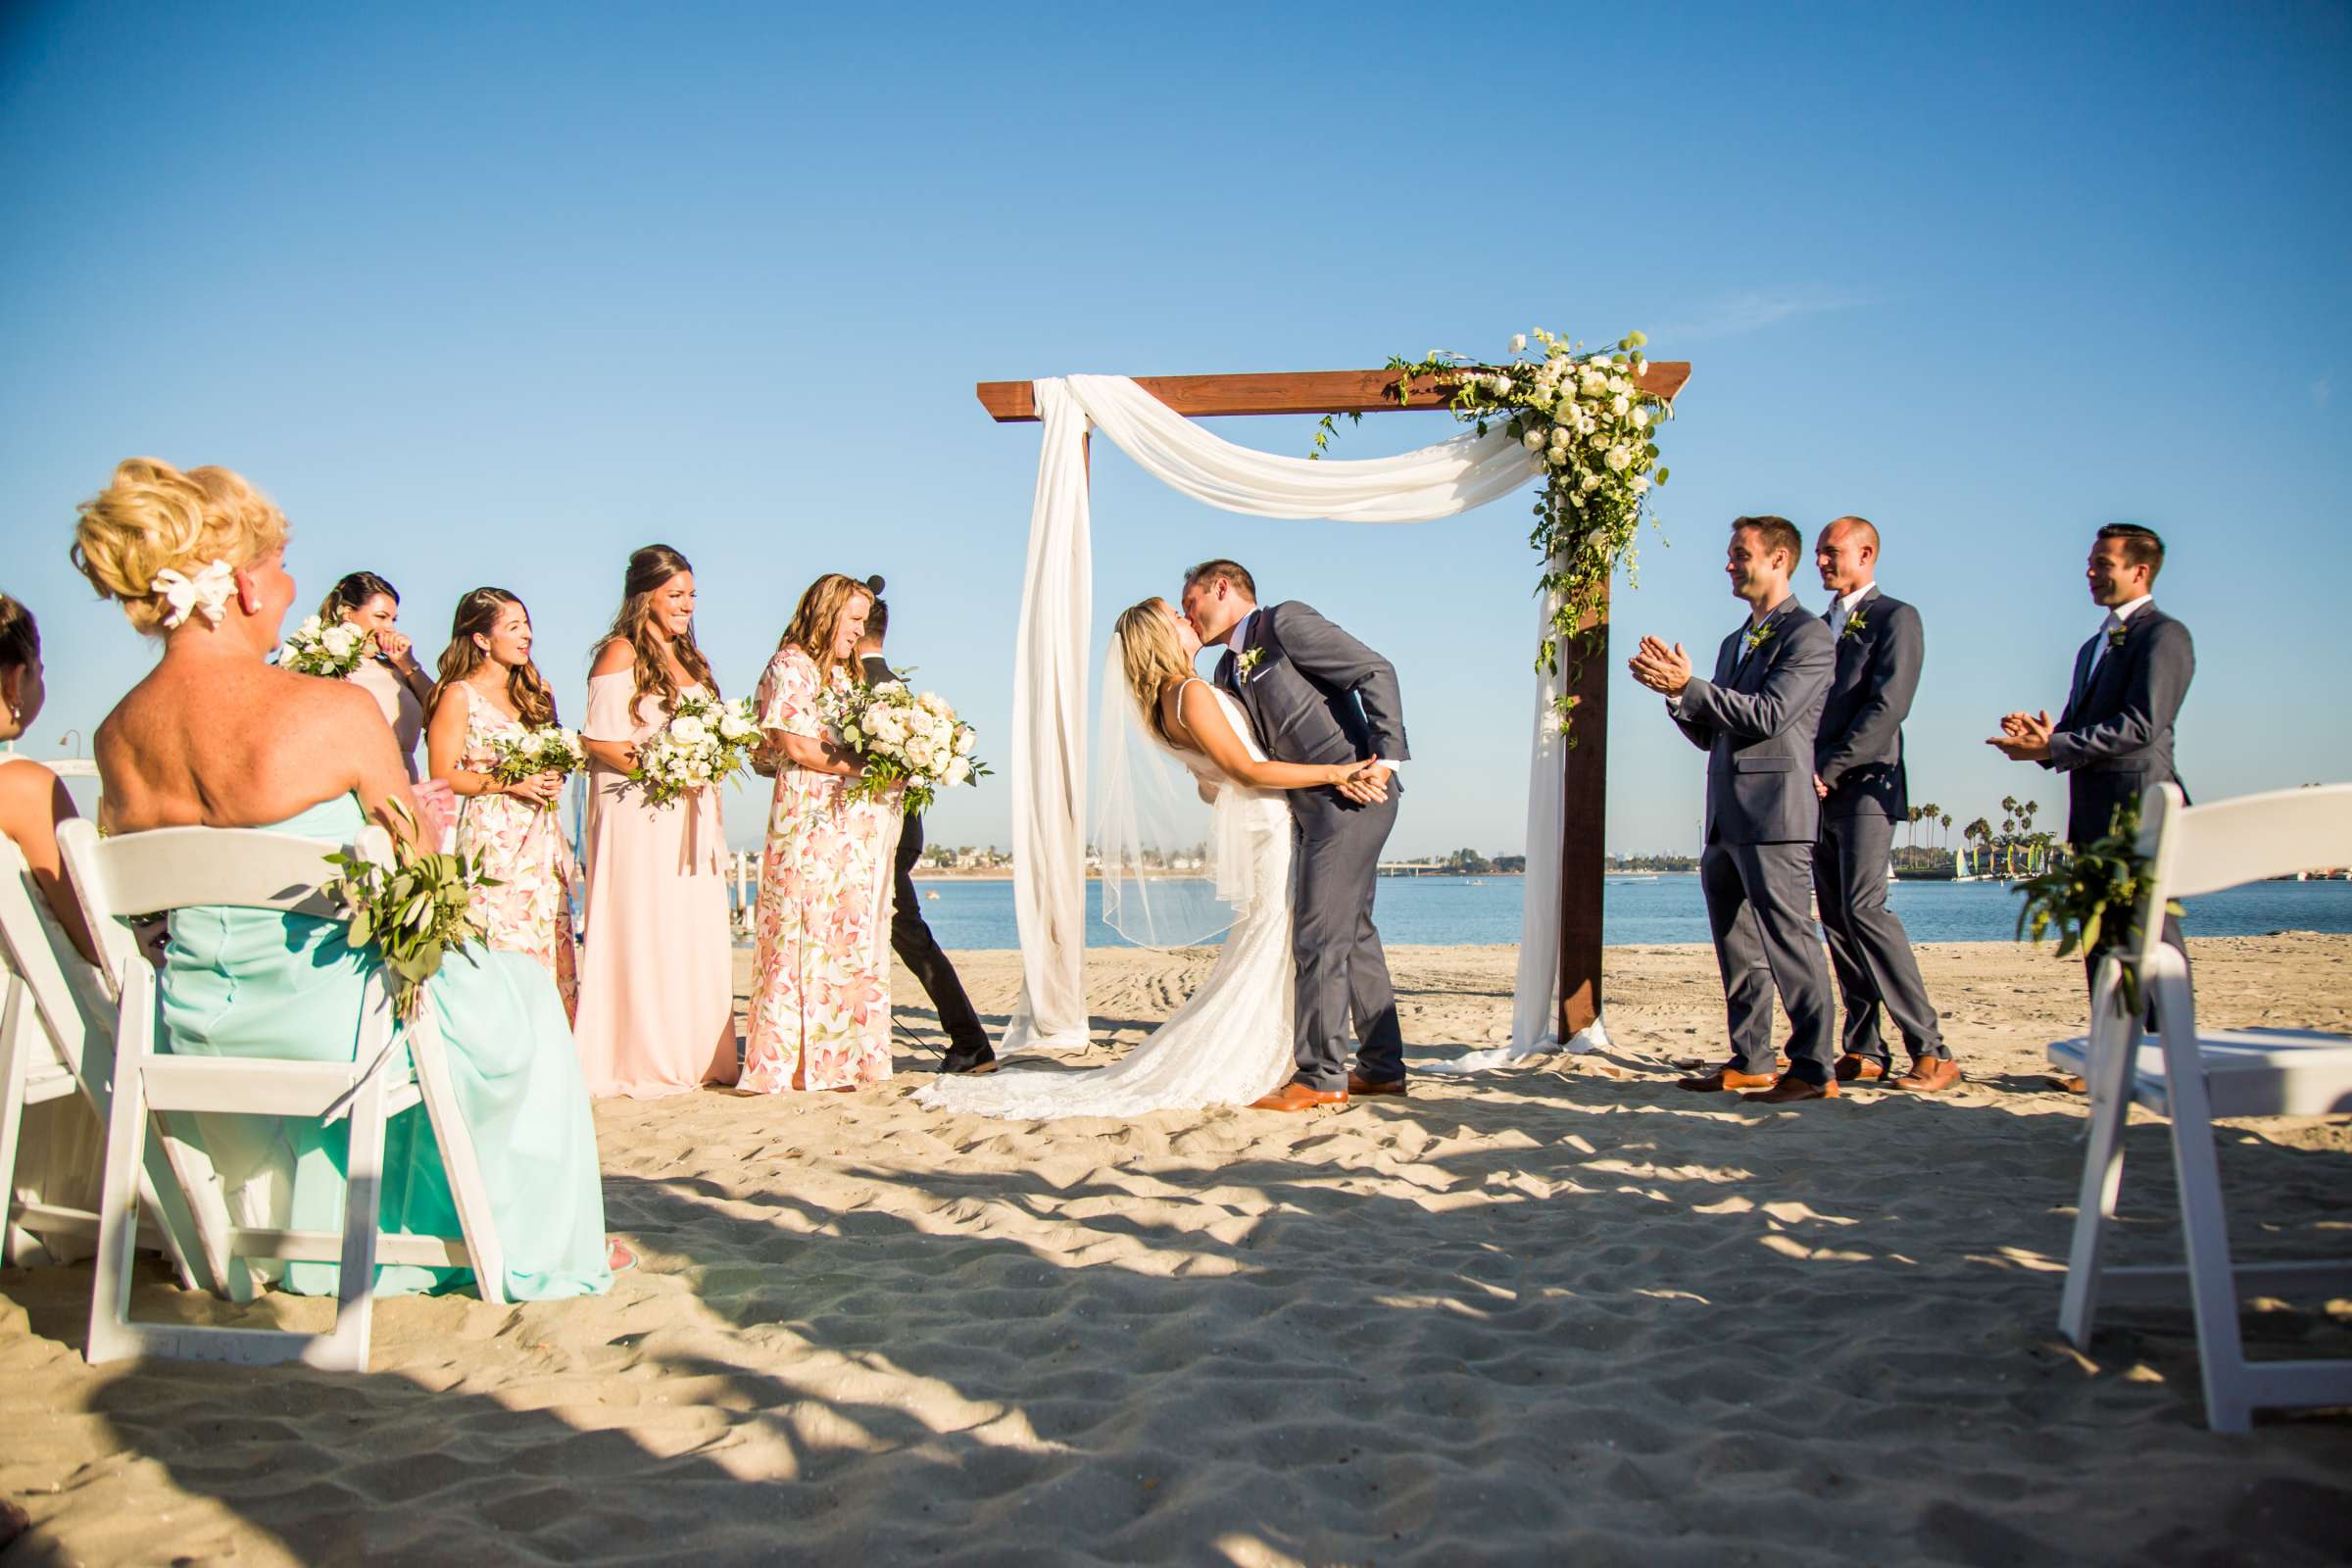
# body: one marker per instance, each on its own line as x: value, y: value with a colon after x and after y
x: 1756, y: 721
x: 1316, y: 694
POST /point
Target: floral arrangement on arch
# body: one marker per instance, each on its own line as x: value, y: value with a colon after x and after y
x: 1584, y: 415
x: 334, y: 651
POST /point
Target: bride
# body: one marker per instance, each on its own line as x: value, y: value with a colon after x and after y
x: 1230, y: 1043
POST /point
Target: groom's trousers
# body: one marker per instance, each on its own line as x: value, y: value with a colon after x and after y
x: 1341, y: 969
x: 918, y: 950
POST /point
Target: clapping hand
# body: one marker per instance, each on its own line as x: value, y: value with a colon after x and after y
x: 2023, y: 737
x: 1659, y: 668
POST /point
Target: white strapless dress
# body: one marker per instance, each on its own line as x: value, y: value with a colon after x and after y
x: 1230, y: 1043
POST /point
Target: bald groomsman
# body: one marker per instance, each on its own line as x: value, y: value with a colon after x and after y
x: 1858, y: 773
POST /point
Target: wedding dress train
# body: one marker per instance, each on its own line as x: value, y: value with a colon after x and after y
x: 1230, y: 1042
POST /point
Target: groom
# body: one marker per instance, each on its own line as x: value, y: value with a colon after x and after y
x: 1314, y: 694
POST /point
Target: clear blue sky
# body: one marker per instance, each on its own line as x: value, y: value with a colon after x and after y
x: 494, y: 298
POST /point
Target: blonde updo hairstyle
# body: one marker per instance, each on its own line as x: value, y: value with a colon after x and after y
x: 156, y: 517
x: 1152, y: 658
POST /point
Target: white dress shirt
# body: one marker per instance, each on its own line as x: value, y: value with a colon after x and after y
x: 1841, y: 607
x: 2116, y: 616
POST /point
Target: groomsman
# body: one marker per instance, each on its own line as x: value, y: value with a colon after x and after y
x: 1858, y: 773
x: 911, y: 938
x: 2114, y: 738
x: 1755, y: 720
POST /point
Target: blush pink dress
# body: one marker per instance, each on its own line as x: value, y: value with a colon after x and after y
x: 656, y: 1009
x: 820, y: 985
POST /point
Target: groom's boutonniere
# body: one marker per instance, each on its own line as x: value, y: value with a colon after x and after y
x: 1247, y: 660
x: 1854, y: 623
x: 2117, y: 634
x: 1758, y: 636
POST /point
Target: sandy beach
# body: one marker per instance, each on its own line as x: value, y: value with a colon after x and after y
x: 1564, y: 1314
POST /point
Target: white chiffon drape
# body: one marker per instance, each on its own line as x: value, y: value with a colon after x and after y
x: 1048, y: 720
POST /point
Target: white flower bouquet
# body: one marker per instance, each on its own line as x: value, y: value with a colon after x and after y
x: 705, y: 743
x: 549, y: 748
x: 917, y: 742
x: 317, y: 649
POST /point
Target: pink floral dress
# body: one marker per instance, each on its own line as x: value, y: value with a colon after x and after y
x: 522, y: 847
x: 820, y: 985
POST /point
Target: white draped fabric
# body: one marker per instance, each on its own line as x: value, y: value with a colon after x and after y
x: 1049, y: 725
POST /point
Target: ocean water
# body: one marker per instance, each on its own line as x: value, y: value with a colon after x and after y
x: 1458, y: 912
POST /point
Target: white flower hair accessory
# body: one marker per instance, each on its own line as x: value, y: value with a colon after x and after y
x: 205, y: 594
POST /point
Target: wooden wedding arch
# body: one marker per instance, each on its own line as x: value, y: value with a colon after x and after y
x: 1584, y: 802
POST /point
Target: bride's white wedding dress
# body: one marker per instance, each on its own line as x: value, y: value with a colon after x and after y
x: 1230, y: 1043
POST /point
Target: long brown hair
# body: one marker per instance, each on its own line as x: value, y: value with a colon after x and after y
x: 812, y: 623
x: 1152, y: 656
x: 649, y: 568
x: 477, y: 616
x: 20, y: 635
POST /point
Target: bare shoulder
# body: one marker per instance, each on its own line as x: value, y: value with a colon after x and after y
x: 614, y: 657
x: 30, y: 792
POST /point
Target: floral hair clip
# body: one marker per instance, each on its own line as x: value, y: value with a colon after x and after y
x: 205, y: 594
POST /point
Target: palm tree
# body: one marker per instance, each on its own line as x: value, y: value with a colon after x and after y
x: 1980, y: 829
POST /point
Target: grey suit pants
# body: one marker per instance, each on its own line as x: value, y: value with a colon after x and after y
x: 1870, y: 953
x: 1341, y: 969
x: 1765, y: 941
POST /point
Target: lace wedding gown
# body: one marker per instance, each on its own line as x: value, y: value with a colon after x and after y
x: 1230, y: 1043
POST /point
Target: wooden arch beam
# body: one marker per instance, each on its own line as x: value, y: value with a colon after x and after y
x: 1290, y: 392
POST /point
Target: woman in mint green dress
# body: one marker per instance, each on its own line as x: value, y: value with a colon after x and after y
x: 217, y: 737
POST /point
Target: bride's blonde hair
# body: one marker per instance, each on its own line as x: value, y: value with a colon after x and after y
x: 1152, y: 658
x: 155, y: 516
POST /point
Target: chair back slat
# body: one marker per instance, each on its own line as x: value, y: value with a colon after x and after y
x: 2250, y: 838
x: 173, y: 867
x: 25, y: 951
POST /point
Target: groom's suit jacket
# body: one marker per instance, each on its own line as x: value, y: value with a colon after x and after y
x: 2115, y: 737
x: 1316, y: 694
x: 1755, y: 720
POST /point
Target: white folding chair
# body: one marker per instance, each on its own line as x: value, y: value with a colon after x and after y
x: 2190, y: 1077
x: 52, y: 1049
x: 172, y: 869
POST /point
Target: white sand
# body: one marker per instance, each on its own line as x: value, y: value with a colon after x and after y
x: 1566, y: 1314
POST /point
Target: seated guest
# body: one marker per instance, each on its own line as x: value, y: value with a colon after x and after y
x: 61, y: 1148
x: 390, y: 674
x: 490, y: 691
x: 217, y: 737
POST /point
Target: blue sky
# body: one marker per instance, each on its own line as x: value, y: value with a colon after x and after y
x: 496, y: 294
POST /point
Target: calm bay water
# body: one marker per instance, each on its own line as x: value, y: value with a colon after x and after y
x: 1458, y: 912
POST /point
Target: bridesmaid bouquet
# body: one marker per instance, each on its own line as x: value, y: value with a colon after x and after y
x: 904, y: 739
x: 317, y: 649
x: 549, y: 748
x: 705, y: 742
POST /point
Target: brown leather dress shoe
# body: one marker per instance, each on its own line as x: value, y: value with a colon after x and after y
x: 1358, y: 1084
x: 1859, y: 1069
x: 1298, y: 1096
x: 1721, y: 1079
x: 1928, y: 1075
x: 1791, y: 1089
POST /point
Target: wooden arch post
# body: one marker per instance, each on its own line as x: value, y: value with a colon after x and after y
x: 1582, y: 839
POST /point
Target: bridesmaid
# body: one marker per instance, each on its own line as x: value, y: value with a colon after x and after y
x: 820, y: 987
x: 392, y: 677
x: 656, y: 1009
x: 490, y: 691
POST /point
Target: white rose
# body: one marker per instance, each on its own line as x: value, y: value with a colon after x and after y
x: 1619, y: 384
x: 1640, y: 485
x: 1593, y: 382
x: 1532, y: 440
x: 1619, y: 458
x: 964, y: 740
x: 1518, y: 342
x: 1642, y: 418
x: 891, y: 688
x: 1589, y: 484
x: 1501, y: 383
x: 918, y: 753
x: 1597, y: 440
x: 933, y: 702
x: 958, y: 772
x: 689, y: 730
